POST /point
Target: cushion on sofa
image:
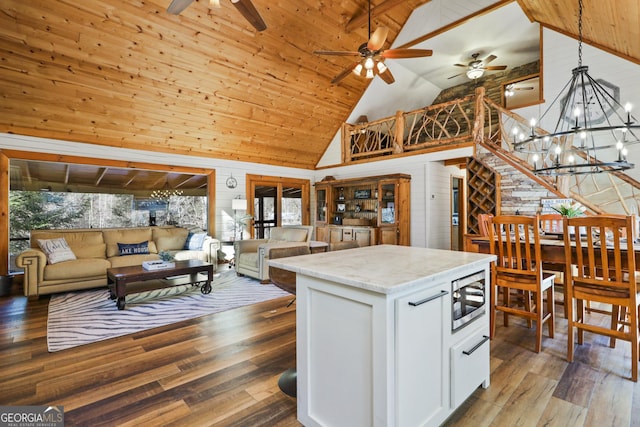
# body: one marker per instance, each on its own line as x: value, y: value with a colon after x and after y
x: 133, y: 248
x: 77, y: 269
x: 281, y: 234
x: 170, y: 239
x: 125, y: 235
x: 194, y: 241
x: 125, y: 261
x: 57, y: 250
x: 75, y: 239
x: 98, y: 250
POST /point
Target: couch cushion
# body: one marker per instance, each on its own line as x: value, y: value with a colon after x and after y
x: 125, y: 261
x: 283, y: 234
x: 77, y: 269
x: 125, y: 235
x: 194, y: 241
x: 98, y: 250
x: 57, y: 250
x: 170, y: 239
x: 75, y: 239
x: 141, y: 248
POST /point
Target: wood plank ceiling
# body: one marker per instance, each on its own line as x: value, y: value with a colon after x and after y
x: 125, y: 73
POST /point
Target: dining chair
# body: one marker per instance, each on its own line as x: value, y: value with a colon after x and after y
x: 483, y: 224
x: 604, y: 272
x: 515, y: 240
x: 551, y: 224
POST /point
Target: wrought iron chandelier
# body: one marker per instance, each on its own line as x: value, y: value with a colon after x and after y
x: 165, y: 193
x: 592, y: 132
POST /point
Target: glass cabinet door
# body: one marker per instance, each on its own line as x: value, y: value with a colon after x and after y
x: 387, y: 203
x: 321, y: 205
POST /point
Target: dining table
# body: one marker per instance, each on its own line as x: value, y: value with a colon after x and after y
x: 551, y: 248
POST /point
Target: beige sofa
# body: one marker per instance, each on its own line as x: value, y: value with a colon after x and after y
x: 96, y: 250
x: 252, y: 256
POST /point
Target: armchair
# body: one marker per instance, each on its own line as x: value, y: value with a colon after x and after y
x: 252, y: 255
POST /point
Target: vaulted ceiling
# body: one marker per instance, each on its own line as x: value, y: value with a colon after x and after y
x: 125, y: 73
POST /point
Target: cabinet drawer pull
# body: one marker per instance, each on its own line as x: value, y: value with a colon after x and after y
x: 427, y: 299
x: 477, y: 346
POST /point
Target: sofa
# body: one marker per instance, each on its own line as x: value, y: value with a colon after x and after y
x: 252, y: 255
x: 75, y: 259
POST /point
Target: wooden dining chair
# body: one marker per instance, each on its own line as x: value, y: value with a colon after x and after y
x: 604, y: 272
x: 515, y: 240
x: 484, y: 221
x: 551, y: 224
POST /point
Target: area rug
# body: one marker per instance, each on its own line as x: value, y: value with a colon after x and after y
x: 78, y: 318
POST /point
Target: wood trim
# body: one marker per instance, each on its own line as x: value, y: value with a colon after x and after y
x: 4, y: 213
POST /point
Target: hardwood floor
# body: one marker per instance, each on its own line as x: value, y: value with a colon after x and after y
x: 222, y: 370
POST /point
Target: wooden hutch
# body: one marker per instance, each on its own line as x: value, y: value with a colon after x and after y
x: 371, y: 210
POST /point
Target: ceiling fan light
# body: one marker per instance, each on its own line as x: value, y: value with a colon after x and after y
x: 369, y: 73
x: 475, y: 73
x: 368, y: 64
x: 357, y: 70
x: 381, y: 67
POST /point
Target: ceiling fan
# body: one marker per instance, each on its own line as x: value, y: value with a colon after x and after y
x: 245, y: 7
x: 372, y: 56
x: 477, y: 67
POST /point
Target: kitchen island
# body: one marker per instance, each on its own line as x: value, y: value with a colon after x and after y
x: 375, y: 341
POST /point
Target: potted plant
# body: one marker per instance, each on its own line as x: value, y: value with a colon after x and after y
x: 570, y: 210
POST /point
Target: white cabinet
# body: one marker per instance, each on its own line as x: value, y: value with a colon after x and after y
x: 468, y: 363
x: 421, y: 357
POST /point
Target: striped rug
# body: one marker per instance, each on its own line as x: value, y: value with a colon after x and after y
x: 78, y: 318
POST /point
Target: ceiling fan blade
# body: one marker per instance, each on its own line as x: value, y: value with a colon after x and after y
x: 387, y: 76
x: 378, y: 38
x: 454, y: 76
x: 406, y: 53
x: 335, y: 52
x: 489, y: 59
x: 496, y: 67
x: 178, y: 6
x: 344, y: 73
x: 249, y: 11
x: 461, y: 65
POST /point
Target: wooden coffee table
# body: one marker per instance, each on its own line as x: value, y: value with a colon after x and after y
x: 133, y: 279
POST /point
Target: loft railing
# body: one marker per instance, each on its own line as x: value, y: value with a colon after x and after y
x: 476, y: 119
x: 433, y: 128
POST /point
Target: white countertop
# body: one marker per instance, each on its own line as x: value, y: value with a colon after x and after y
x: 385, y: 269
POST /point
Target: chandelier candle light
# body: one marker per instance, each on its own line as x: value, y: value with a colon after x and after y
x: 590, y: 123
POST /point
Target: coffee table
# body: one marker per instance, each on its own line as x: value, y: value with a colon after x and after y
x: 133, y: 279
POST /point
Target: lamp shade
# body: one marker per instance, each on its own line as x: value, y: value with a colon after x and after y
x: 239, y: 204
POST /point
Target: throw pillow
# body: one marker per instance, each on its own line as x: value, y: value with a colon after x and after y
x: 133, y: 248
x: 57, y: 250
x: 195, y: 241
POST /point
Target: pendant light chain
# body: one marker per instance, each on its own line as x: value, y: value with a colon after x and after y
x: 579, y: 33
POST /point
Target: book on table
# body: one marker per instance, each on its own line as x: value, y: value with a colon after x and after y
x: 157, y: 265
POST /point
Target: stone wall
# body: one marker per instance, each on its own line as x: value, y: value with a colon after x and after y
x: 518, y: 193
